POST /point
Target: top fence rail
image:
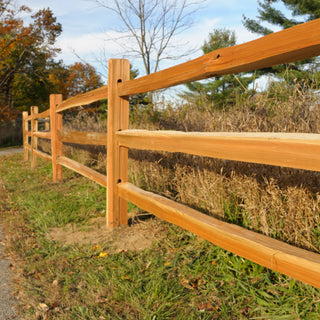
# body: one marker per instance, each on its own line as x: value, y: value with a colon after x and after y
x: 301, y: 42
x: 296, y: 43
x: 84, y: 99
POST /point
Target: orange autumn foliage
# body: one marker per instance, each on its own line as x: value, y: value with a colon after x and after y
x: 21, y: 48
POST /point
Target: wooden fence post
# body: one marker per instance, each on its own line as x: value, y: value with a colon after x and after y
x: 56, y: 144
x: 47, y: 125
x: 24, y: 135
x: 34, y: 140
x: 117, y: 157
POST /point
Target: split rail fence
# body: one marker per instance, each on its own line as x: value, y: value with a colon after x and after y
x: 279, y: 149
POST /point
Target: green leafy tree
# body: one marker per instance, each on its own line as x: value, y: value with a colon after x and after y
x: 298, y: 12
x: 223, y: 89
x: 28, y: 70
x: 33, y: 85
x: 55, y: 77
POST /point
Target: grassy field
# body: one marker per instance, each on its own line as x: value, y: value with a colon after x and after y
x: 174, y: 275
x: 67, y: 265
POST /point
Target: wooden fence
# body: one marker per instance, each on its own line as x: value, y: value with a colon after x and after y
x: 284, y: 149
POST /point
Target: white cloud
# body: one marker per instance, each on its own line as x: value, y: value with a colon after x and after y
x: 89, y: 44
x: 83, y: 22
x: 100, y: 46
x: 243, y: 35
x: 195, y: 37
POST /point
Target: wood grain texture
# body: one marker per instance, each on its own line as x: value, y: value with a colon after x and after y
x: 34, y: 139
x: 301, y: 151
x: 56, y: 144
x: 117, y: 157
x: 43, y: 135
x: 84, y: 99
x: 43, y: 115
x: 42, y: 155
x: 47, y: 125
x: 87, y: 138
x: 83, y: 170
x: 289, y: 45
x: 276, y: 255
x: 25, y: 135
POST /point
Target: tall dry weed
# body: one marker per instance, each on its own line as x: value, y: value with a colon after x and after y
x: 284, y: 109
x: 282, y: 203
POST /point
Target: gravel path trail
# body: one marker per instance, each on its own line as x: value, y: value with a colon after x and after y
x: 7, y: 302
x: 8, y: 151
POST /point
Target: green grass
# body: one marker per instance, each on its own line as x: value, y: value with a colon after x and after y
x: 180, y: 277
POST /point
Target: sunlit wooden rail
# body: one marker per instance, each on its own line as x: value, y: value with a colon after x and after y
x: 280, y: 149
x: 297, y: 43
x: 85, y: 171
x: 58, y: 136
x: 301, y: 151
x: 90, y: 138
x: 261, y: 249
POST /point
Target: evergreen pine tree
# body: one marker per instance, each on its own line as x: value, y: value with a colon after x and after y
x: 223, y: 89
x: 300, y: 11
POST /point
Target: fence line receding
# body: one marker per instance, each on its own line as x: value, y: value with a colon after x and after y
x: 284, y: 149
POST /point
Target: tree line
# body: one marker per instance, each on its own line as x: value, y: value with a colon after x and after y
x: 29, y: 70
x: 222, y: 91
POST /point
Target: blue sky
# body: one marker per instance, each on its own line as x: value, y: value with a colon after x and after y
x: 86, y: 27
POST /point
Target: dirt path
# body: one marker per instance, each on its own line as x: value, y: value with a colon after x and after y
x: 8, y: 151
x: 7, y: 301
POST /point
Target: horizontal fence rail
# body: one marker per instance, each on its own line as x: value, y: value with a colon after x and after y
x: 43, y: 115
x: 293, y: 44
x: 268, y: 252
x: 85, y: 138
x: 83, y: 170
x: 42, y: 155
x: 90, y: 138
x: 301, y: 151
x: 43, y: 135
x: 84, y: 99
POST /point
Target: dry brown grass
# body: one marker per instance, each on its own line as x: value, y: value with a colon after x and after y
x: 279, y: 202
x: 290, y: 109
x: 286, y: 209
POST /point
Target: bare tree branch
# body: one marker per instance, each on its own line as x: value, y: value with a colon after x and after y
x: 152, y: 24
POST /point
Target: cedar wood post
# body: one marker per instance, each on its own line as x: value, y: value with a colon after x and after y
x: 117, y: 157
x: 47, y: 125
x: 34, y: 140
x: 56, y: 144
x: 24, y: 135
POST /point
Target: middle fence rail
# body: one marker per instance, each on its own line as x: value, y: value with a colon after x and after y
x: 54, y: 132
x: 280, y: 149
